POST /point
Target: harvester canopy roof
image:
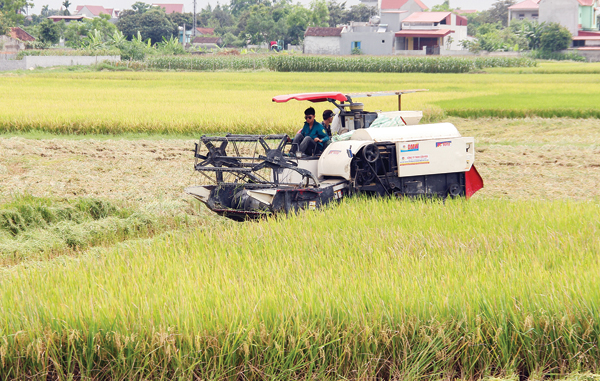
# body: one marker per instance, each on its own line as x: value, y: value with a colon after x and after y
x: 313, y: 97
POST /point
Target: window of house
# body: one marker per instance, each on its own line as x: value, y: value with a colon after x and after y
x: 534, y: 16
x: 355, y: 44
x: 521, y: 16
x: 578, y: 43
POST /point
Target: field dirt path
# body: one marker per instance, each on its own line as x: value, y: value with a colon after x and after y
x: 135, y: 170
x: 143, y: 170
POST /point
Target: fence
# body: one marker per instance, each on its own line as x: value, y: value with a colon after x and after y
x: 29, y: 62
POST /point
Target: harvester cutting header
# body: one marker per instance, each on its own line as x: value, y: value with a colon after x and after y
x: 380, y: 153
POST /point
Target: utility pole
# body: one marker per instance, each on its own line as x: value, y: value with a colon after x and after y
x: 194, y: 31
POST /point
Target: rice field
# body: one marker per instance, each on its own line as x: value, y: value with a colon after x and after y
x: 503, y: 286
x: 240, y: 102
x: 455, y: 290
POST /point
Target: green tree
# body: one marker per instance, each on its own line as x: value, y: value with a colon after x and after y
x: 320, y: 13
x: 499, y: 12
x: 151, y: 22
x: 360, y: 13
x: 297, y: 22
x: 555, y: 37
x: 336, y: 12
x: 155, y: 25
x: 140, y: 7
x: 444, y: 7
x: 129, y: 23
x: 49, y: 32
x: 179, y: 20
x: 45, y: 10
x: 11, y: 10
x: 230, y: 40
x: 66, y: 4
x: 77, y: 31
x: 260, y: 24
x: 3, y: 24
x: 532, y: 31
x: 240, y: 6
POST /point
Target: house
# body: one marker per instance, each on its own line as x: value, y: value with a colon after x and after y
x: 461, y: 12
x: 525, y: 10
x: 19, y: 34
x: 575, y: 15
x: 170, y: 8
x: 432, y: 30
x: 68, y: 19
x: 376, y: 40
x: 393, y: 12
x: 367, y: 38
x: 12, y: 43
x: 322, y: 40
x: 93, y: 11
x: 205, y: 31
x: 207, y: 42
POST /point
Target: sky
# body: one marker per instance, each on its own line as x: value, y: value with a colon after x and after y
x: 189, y: 4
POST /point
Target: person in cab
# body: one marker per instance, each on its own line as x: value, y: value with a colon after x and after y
x: 312, y: 138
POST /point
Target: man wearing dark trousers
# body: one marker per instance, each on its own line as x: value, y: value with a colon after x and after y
x: 327, y: 119
x: 312, y: 139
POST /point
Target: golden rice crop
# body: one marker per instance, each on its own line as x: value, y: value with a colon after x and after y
x: 388, y: 289
x: 198, y: 103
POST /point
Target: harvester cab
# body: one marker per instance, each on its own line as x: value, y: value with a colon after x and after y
x: 380, y: 153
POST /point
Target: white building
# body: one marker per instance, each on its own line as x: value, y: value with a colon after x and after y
x: 525, y: 10
x: 575, y: 15
x: 323, y: 40
x: 433, y: 30
x: 393, y: 12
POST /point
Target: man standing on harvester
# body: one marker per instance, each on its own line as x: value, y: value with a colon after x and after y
x: 312, y: 139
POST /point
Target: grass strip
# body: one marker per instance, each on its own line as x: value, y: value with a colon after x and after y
x: 380, y: 288
x: 36, y: 228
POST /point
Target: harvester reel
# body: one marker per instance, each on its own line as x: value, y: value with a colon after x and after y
x: 217, y: 156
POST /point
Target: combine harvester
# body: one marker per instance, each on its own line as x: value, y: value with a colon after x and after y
x: 250, y: 176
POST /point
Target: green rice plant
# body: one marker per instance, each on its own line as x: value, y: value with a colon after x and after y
x: 369, y: 289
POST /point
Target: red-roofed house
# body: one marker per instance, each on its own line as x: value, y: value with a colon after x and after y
x: 13, y: 42
x: 575, y: 15
x: 93, y: 11
x: 170, y: 8
x: 465, y: 11
x: 393, y: 12
x: 525, y: 10
x: 20, y: 34
x: 205, y: 31
x: 432, y: 30
x: 207, y: 42
x: 68, y: 19
x: 322, y: 40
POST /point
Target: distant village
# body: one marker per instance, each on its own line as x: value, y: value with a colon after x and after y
x: 377, y: 27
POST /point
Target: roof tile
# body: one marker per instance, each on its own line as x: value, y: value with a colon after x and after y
x: 323, y: 32
x: 20, y: 34
x: 170, y: 8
